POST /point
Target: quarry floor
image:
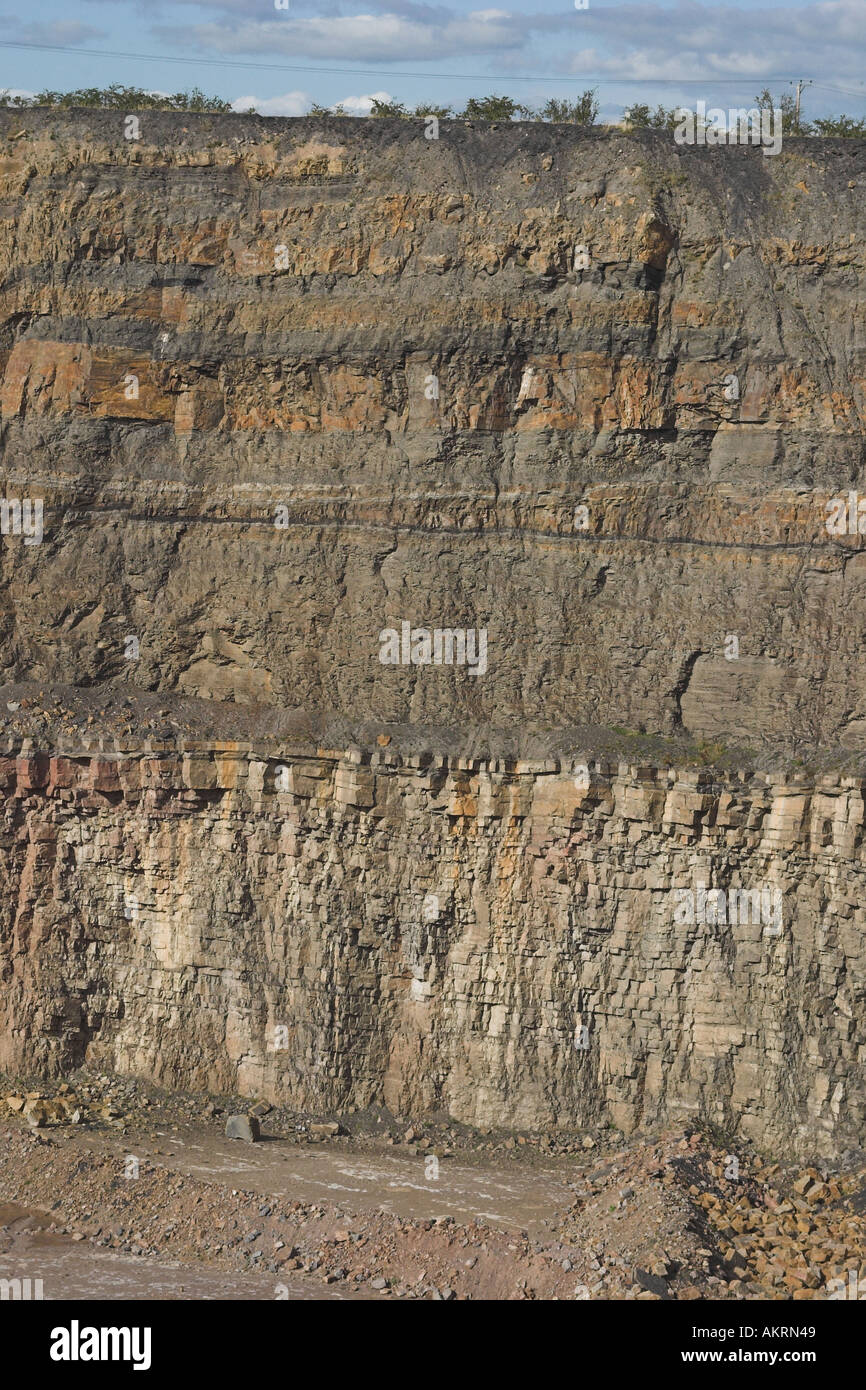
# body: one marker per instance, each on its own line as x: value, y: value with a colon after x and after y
x: 306, y: 1214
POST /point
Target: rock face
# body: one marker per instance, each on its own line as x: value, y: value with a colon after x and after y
x: 486, y: 939
x: 285, y: 384
x: 295, y: 395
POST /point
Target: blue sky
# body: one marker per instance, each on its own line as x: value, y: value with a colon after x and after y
x: 349, y: 50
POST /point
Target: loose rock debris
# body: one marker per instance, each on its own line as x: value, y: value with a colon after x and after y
x: 672, y: 1217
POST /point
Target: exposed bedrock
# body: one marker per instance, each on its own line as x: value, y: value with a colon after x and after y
x: 497, y: 942
x: 381, y: 343
x: 283, y: 386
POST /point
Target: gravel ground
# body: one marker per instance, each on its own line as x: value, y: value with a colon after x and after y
x: 677, y: 1215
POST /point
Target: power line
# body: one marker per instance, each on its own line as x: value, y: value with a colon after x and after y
x: 388, y: 72
x: 841, y: 91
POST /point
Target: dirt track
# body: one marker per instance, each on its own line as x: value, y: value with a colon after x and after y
x: 360, y: 1215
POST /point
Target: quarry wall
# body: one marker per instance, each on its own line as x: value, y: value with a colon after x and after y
x: 280, y: 400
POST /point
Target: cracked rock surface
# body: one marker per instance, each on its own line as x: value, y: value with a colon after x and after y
x: 281, y: 385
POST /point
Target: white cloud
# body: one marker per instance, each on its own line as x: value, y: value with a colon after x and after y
x: 290, y: 104
x: 298, y: 103
x: 359, y: 37
x: 362, y: 106
x: 685, y: 40
x: 64, y: 32
x: 633, y: 40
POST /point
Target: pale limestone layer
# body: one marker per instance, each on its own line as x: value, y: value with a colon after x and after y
x: 434, y: 936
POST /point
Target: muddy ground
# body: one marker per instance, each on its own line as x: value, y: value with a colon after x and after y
x: 110, y: 1189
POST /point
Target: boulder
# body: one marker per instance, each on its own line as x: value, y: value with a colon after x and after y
x: 243, y: 1127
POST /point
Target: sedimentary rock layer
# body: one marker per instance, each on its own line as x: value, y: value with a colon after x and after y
x: 505, y: 942
x: 431, y: 354
x: 282, y: 385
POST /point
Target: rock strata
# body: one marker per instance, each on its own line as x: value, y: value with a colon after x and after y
x: 282, y: 385
x: 467, y: 440
x: 490, y: 939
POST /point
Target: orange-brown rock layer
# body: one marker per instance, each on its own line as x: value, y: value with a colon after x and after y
x: 431, y: 354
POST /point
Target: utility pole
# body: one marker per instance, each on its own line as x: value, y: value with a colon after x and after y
x: 801, y: 83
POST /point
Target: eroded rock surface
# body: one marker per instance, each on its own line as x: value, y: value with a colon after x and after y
x: 497, y: 942
x: 282, y: 385
x: 231, y: 316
